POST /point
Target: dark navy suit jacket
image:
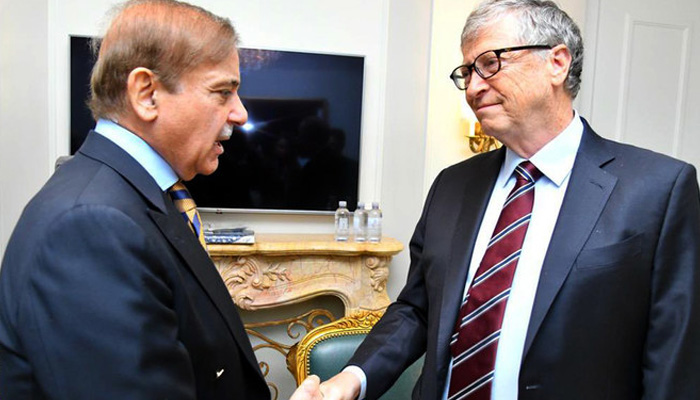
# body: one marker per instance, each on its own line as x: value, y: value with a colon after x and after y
x: 105, y: 293
x: 617, y: 309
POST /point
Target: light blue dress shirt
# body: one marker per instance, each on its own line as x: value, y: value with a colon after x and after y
x: 142, y: 152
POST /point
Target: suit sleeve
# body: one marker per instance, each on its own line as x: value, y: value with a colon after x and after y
x: 99, y: 309
x: 672, y: 351
x: 399, y: 338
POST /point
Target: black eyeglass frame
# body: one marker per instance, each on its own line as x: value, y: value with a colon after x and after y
x: 472, y: 67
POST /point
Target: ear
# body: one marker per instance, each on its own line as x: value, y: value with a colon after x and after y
x: 560, y: 62
x: 141, y: 93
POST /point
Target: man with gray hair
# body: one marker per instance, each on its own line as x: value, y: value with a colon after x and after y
x: 106, y: 287
x: 561, y: 266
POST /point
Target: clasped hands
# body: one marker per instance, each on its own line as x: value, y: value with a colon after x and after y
x: 344, y: 386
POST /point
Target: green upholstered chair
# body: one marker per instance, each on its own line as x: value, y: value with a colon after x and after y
x: 324, y: 351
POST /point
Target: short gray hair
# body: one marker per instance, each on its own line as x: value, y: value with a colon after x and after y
x: 541, y: 22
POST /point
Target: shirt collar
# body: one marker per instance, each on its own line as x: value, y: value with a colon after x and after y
x: 555, y: 160
x: 142, y: 152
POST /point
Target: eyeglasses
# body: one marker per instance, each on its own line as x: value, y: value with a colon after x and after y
x: 486, y: 64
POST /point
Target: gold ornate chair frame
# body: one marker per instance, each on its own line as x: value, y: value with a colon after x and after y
x: 299, y: 355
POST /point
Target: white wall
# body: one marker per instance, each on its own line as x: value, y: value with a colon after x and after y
x: 24, y: 116
x: 407, y: 55
x: 447, y: 110
x: 3, y: 11
x: 577, y: 11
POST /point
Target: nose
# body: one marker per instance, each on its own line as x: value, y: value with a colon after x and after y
x: 238, y: 114
x: 475, y: 86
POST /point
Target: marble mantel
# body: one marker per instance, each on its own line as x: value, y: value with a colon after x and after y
x: 282, y: 269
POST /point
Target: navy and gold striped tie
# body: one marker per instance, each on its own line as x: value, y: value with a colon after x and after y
x: 184, y: 203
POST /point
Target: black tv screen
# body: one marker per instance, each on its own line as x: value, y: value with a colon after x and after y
x: 300, y: 149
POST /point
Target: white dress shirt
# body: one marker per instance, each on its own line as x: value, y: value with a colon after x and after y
x: 142, y: 152
x: 555, y: 160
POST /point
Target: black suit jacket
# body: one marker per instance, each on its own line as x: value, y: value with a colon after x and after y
x: 617, y: 309
x: 105, y: 293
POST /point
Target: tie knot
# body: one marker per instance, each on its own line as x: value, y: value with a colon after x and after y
x: 178, y: 186
x: 181, y: 197
x: 527, y: 172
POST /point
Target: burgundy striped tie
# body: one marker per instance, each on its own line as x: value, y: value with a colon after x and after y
x: 478, y: 326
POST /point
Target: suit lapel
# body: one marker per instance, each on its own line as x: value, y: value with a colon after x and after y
x: 170, y: 223
x: 477, y: 192
x: 586, y: 196
x: 181, y: 237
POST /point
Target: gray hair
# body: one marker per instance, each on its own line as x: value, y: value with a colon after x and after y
x: 541, y: 22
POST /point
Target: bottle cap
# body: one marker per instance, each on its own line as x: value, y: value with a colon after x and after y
x: 343, y: 203
x: 360, y: 205
x: 375, y: 204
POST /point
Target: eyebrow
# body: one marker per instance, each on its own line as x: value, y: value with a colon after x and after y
x: 229, y: 83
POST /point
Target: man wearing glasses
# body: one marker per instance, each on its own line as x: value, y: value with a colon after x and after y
x: 561, y: 266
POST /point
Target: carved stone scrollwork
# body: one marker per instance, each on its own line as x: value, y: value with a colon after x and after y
x: 379, y: 272
x: 286, y: 269
x: 245, y: 277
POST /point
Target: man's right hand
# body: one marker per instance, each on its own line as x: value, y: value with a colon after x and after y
x: 308, y: 390
x: 344, y: 386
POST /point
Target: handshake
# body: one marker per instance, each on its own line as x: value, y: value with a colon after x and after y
x: 344, y: 386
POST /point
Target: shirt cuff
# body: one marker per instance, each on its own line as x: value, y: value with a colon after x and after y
x: 360, y: 374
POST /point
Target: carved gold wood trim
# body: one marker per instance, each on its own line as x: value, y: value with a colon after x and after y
x: 480, y: 142
x: 308, y: 321
x: 358, y: 323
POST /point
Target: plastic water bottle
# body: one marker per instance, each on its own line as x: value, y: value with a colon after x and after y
x: 374, y: 223
x: 342, y: 222
x: 359, y: 221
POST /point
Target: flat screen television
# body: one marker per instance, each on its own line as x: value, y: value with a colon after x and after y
x: 300, y: 149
